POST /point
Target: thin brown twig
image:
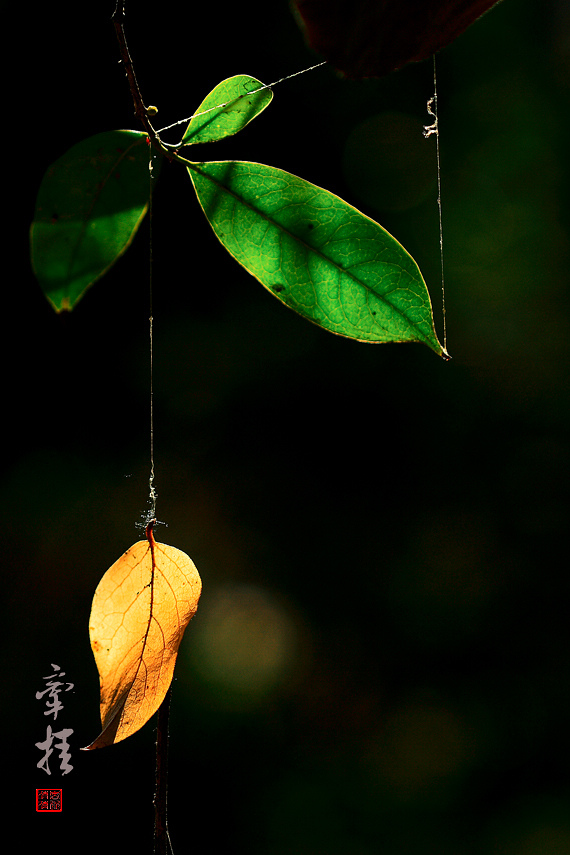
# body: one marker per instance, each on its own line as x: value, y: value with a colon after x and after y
x: 162, y: 844
x: 118, y: 23
x: 140, y: 110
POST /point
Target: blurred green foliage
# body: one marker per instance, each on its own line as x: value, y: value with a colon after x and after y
x: 380, y: 660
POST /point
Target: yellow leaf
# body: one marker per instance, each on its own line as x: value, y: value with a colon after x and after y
x: 140, y: 610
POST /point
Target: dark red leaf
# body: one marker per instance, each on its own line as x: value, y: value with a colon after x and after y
x: 370, y: 38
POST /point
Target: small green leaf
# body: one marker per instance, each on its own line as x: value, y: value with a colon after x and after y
x: 230, y: 107
x: 316, y: 253
x: 90, y: 204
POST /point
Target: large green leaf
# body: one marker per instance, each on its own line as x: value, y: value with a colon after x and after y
x: 227, y: 109
x: 315, y: 253
x: 90, y: 204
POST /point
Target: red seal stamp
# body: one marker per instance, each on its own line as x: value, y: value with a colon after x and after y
x: 48, y: 800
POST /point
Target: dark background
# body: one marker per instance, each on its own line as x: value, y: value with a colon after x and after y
x: 379, y: 663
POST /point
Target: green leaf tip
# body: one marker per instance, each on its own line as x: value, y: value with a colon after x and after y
x: 316, y: 253
x: 227, y: 109
x: 89, y: 206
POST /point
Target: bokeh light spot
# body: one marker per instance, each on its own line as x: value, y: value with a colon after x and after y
x: 245, y: 644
